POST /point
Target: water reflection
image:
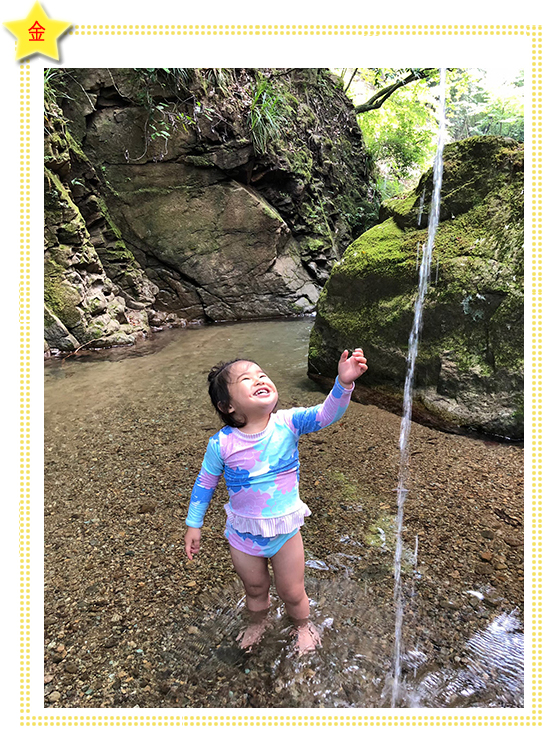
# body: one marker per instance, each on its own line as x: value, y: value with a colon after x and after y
x: 177, y: 362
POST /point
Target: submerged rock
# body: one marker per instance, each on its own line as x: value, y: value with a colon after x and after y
x: 469, y: 370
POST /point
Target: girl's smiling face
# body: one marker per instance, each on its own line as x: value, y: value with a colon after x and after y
x: 253, y: 393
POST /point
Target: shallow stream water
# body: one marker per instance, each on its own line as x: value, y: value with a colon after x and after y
x: 102, y: 407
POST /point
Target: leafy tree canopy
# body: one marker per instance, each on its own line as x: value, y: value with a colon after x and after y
x: 397, y: 111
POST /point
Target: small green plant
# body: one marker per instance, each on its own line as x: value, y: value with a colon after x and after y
x: 266, y: 116
x: 220, y: 78
x: 53, y: 85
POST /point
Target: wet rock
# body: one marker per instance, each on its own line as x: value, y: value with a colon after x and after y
x: 147, y: 507
x: 483, y: 568
x: 513, y: 541
x: 317, y: 565
x: 492, y: 600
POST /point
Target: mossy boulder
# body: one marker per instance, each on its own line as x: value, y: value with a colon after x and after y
x: 469, y: 370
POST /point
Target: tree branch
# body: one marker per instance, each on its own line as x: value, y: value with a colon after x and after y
x: 379, y: 98
x: 350, y: 82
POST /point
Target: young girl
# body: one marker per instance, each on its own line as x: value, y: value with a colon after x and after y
x: 257, y: 451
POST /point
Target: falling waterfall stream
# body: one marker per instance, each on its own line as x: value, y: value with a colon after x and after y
x: 424, y: 274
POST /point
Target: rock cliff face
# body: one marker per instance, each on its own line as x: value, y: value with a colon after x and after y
x: 82, y: 305
x: 469, y: 370
x: 179, y: 195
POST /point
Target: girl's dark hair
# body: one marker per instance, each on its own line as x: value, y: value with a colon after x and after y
x: 218, y: 388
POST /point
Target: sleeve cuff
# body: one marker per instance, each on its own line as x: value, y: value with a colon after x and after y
x: 193, y: 524
x: 344, y: 390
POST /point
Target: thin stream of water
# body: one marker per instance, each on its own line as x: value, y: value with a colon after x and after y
x: 420, y: 213
x: 424, y: 274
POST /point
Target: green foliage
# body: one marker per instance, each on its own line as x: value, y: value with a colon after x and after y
x: 219, y: 78
x: 266, y: 116
x: 178, y: 79
x: 54, y: 85
x: 399, y: 135
x: 180, y: 107
x: 473, y: 109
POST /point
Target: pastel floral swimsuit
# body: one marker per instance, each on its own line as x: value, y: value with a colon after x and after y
x: 261, y: 473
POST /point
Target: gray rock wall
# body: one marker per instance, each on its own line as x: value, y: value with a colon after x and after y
x: 188, y: 214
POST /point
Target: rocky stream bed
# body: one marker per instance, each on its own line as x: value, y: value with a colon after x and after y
x: 130, y: 622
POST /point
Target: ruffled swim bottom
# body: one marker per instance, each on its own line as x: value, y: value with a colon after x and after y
x: 253, y: 544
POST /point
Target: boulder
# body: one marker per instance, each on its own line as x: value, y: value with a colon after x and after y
x: 469, y: 370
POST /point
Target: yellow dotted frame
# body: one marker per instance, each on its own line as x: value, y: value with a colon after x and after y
x: 301, y: 30
x: 534, y: 718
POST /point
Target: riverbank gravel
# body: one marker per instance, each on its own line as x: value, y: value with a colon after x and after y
x: 131, y: 622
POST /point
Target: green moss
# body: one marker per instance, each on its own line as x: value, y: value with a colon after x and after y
x: 300, y: 162
x: 109, y: 220
x: 60, y: 298
x: 383, y: 250
x: 316, y: 346
x: 202, y: 162
x: 117, y: 251
x: 345, y: 488
x: 401, y: 205
x: 381, y: 532
x: 49, y: 320
x: 95, y: 331
x: 506, y: 333
x: 270, y: 211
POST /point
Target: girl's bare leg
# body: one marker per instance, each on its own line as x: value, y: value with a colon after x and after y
x: 255, y: 577
x: 288, y: 567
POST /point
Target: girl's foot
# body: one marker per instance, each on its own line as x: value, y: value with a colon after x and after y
x: 308, y: 638
x: 253, y: 632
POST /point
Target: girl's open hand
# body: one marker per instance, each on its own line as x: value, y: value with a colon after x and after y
x: 192, y: 541
x: 351, y: 368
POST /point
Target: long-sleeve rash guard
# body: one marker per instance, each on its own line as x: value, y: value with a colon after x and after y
x: 261, y: 470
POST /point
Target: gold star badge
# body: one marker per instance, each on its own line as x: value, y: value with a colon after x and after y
x: 37, y: 34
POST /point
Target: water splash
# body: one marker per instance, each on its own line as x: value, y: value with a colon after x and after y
x: 491, y: 676
x: 424, y: 273
x: 201, y: 664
